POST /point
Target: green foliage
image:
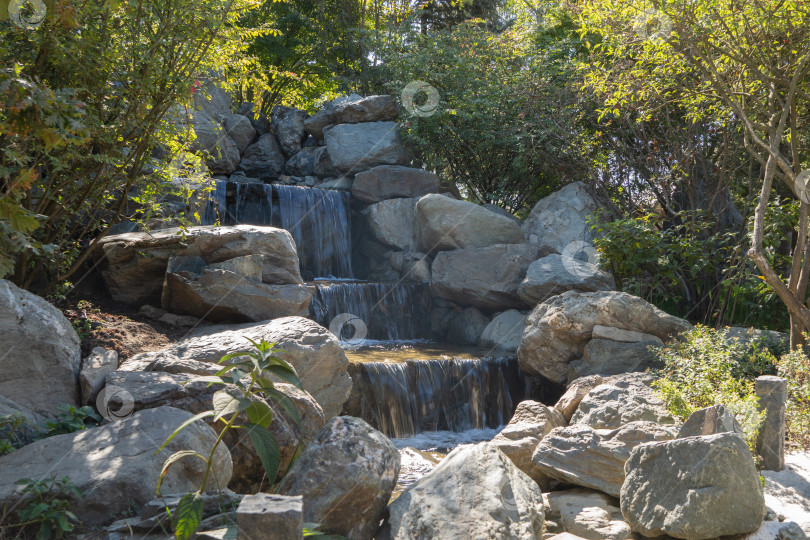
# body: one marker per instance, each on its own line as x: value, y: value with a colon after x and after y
x: 12, y: 429
x: 795, y: 367
x: 241, y: 405
x: 703, y: 369
x: 68, y: 420
x: 87, y: 101
x: 686, y: 268
x: 503, y: 124
x: 47, y: 510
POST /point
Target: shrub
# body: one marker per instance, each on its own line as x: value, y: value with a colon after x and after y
x: 795, y: 367
x: 47, y: 512
x: 703, y: 369
x: 68, y: 420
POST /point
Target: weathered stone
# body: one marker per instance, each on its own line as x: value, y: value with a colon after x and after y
x: 620, y: 401
x: 249, y: 266
x: 352, y: 110
x: 576, y: 391
x: 475, y: 492
x: 346, y: 476
x: 416, y: 268
x: 288, y: 125
x: 94, y: 370
x: 466, y: 327
x: 594, y: 458
x: 749, y: 335
x: 355, y: 148
x: 553, y: 275
x: 117, y: 465
x: 787, y: 492
x: 697, y: 487
x: 485, y: 277
x: 774, y: 530
x: 710, y: 421
x: 212, y: 98
x: 263, y: 159
x: 558, y: 329
x: 193, y: 264
x: 41, y: 357
x: 772, y: 393
x: 561, y: 218
x: 392, y: 222
x: 343, y: 183
x: 323, y: 166
x: 27, y: 431
x: 443, y: 223
x: 259, y: 121
x: 607, y: 357
x: 302, y: 163
x: 222, y: 153
x: 311, y: 349
x: 136, y: 263
x: 393, y: 181
x: 240, y: 130
x: 531, y: 422
x: 222, y: 295
x: 262, y: 513
x: 588, y: 514
x: 504, y: 331
x: 625, y: 336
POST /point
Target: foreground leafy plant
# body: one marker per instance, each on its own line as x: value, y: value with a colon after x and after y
x: 704, y: 369
x: 49, y: 509
x: 68, y: 420
x: 249, y: 383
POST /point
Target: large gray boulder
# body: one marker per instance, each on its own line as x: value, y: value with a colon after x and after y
x: 150, y: 389
x: 357, y: 147
x: 392, y: 222
x: 504, y: 332
x: 485, y: 277
x: 222, y: 152
x: 352, y: 110
x: 346, y: 476
x: 135, y: 263
x: 697, y: 487
x: 444, y: 223
x: 393, y: 181
x: 608, y: 357
x: 221, y: 295
x: 263, y: 159
x: 475, y: 492
x: 558, y: 329
x: 303, y: 163
x: 518, y: 439
x: 311, y: 349
x: 466, y: 327
x: 561, y: 218
x: 211, y: 98
x: 41, y: 358
x: 288, y: 125
x: 594, y: 458
x: 554, y: 274
x: 240, y: 130
x: 117, y: 465
x: 95, y: 368
x: 575, y: 393
x: 619, y: 401
x: 261, y: 513
x: 588, y: 514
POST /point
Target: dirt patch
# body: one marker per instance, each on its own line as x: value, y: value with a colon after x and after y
x: 102, y: 323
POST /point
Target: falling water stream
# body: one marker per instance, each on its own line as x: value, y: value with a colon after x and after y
x: 428, y: 397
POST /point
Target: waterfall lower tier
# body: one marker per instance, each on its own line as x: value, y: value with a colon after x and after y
x: 319, y: 220
x: 386, y: 311
x: 405, y: 398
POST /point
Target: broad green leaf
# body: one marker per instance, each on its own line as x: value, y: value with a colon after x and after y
x: 267, y: 449
x: 188, y: 515
x: 226, y: 404
x: 259, y: 413
x: 284, y: 400
x: 285, y: 374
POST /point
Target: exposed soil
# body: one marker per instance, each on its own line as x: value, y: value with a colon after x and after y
x: 101, y: 322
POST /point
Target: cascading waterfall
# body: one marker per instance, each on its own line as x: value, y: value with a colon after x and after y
x: 390, y: 311
x: 319, y: 220
x: 415, y: 396
x: 320, y: 223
